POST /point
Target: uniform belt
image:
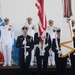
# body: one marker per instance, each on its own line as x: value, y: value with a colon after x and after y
x: 23, y: 47
x: 58, y: 49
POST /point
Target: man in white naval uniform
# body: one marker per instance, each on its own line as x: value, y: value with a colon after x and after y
x: 52, y: 31
x: 31, y: 32
x: 7, y: 39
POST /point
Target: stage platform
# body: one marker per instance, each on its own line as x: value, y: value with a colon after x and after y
x: 14, y: 70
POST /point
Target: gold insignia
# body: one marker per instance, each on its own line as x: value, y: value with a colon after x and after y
x: 33, y: 28
x: 9, y: 29
x: 10, y: 25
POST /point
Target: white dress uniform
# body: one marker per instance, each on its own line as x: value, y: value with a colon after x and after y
x: 7, y: 39
x: 31, y: 32
x: 51, y: 59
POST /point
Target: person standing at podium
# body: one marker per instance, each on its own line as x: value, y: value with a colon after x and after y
x: 25, y: 45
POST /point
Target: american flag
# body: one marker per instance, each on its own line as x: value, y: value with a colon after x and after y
x: 42, y: 18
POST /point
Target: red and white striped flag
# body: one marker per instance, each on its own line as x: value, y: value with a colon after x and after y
x: 42, y: 18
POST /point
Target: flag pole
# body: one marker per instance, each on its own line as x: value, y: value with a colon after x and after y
x: 70, y: 27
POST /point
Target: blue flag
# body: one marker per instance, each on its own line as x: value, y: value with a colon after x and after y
x: 15, y: 53
x: 1, y: 24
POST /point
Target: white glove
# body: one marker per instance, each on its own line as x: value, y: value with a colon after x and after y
x: 24, y: 42
x: 73, y: 53
x: 26, y: 54
x: 60, y: 53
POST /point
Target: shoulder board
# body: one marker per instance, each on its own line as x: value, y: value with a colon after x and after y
x: 10, y: 25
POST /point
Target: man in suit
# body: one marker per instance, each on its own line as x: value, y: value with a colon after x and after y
x: 42, y: 48
x: 60, y: 62
x: 72, y: 56
x: 25, y: 45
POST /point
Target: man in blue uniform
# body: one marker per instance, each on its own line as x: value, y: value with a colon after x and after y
x: 42, y: 52
x: 72, y: 56
x: 25, y: 45
x: 60, y: 62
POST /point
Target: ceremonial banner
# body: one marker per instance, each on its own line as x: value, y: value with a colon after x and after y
x: 15, y: 52
x: 42, y: 18
x: 66, y: 41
